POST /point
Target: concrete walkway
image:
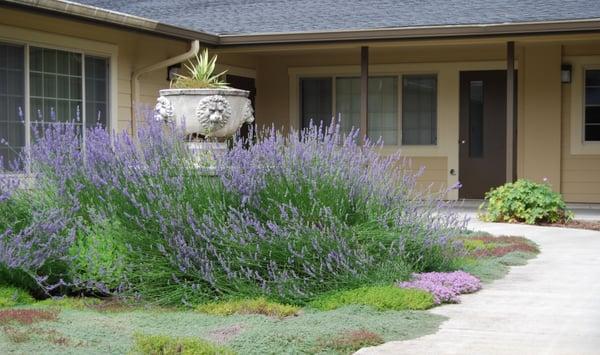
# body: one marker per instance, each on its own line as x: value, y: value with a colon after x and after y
x: 549, y: 306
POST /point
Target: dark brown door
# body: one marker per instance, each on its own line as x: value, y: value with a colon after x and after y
x: 248, y: 84
x: 482, y: 140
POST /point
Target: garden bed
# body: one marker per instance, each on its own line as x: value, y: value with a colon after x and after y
x: 306, y: 243
x: 336, y: 323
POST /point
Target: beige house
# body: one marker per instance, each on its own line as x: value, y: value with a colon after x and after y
x: 484, y: 95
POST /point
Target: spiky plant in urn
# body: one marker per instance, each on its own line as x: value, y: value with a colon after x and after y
x: 209, y: 110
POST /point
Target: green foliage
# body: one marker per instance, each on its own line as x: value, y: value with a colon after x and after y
x: 200, y: 74
x: 90, y: 332
x: 13, y: 296
x: 378, y: 297
x: 78, y: 303
x: 350, y: 341
x: 524, y: 201
x: 316, y: 216
x: 253, y: 306
x: 18, y: 213
x: 166, y: 345
x: 98, y: 254
x: 474, y: 244
x: 490, y: 269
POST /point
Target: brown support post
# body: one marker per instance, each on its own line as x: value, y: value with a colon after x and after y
x: 364, y: 90
x: 510, y: 112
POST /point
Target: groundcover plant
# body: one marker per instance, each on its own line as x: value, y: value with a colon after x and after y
x: 288, y: 216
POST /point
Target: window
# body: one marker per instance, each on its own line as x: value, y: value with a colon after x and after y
x: 63, y: 86
x: 12, y: 98
x: 419, y: 110
x: 383, y: 109
x: 55, y: 85
x: 592, y: 106
x: 316, y: 101
x: 96, y: 91
x: 347, y: 103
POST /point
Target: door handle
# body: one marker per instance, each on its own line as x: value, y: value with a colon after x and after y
x: 463, y: 141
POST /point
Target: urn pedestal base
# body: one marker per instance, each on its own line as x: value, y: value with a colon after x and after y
x: 206, y: 154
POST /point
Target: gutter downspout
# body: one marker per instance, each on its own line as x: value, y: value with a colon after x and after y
x: 135, y: 76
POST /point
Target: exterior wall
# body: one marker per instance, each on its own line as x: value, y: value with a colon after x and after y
x: 549, y: 114
x: 277, y: 97
x: 436, y: 170
x: 580, y: 181
x: 539, y: 115
x: 128, y: 50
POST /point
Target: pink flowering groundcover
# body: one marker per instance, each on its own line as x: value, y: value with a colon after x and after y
x: 444, y: 286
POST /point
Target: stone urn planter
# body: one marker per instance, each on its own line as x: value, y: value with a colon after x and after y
x: 211, y: 113
x: 209, y: 117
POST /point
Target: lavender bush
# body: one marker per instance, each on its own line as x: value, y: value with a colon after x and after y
x: 444, y: 286
x: 288, y: 216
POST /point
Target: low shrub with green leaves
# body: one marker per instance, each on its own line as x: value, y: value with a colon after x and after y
x: 12, y: 296
x: 166, y: 345
x: 253, y: 306
x: 524, y: 201
x: 378, y: 297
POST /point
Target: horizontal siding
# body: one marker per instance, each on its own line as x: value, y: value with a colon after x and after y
x: 435, y: 174
x: 580, y: 174
x: 581, y: 163
x: 430, y: 163
x: 582, y: 198
x: 592, y: 188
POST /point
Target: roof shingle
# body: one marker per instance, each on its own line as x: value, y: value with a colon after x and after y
x: 287, y: 16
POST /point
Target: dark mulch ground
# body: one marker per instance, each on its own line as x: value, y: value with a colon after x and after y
x: 578, y: 224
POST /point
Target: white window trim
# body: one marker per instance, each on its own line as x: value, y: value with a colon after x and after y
x: 32, y: 38
x: 578, y: 144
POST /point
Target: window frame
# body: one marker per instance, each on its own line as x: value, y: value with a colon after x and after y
x: 83, y: 47
x: 35, y: 38
x: 399, y: 77
x: 576, y: 114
